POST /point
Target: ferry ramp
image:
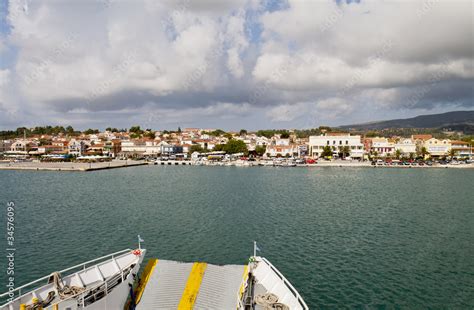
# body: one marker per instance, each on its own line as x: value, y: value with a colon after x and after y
x: 169, y: 284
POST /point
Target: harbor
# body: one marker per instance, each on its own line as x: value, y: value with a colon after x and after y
x: 327, y: 230
x: 115, y: 164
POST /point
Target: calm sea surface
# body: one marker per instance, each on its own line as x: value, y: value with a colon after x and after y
x: 344, y: 237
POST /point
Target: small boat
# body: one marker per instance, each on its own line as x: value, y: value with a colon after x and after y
x: 112, y: 282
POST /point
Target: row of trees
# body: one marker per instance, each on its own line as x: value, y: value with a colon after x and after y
x: 231, y: 147
x: 344, y: 151
x: 39, y: 130
x: 420, y: 153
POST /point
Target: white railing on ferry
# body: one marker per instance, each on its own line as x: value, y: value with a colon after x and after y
x: 288, y: 284
x: 83, y: 266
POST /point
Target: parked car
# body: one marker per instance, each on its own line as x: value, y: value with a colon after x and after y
x: 310, y: 161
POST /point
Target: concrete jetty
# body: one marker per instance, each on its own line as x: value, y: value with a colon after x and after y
x: 70, y: 166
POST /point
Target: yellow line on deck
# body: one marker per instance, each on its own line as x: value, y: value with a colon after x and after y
x: 192, y: 286
x: 145, y: 277
x: 245, y: 275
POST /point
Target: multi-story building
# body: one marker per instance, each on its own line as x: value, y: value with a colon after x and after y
x: 130, y: 147
x: 437, y: 147
x: 281, y: 150
x: 51, y: 149
x: 406, y: 146
x: 5, y: 146
x: 113, y: 147
x: 463, y: 149
x: 336, y: 141
x: 382, y: 146
x: 76, y: 147
x: 170, y: 149
x: 22, y: 146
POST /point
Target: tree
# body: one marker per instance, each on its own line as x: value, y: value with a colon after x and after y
x: 344, y: 151
x: 327, y: 151
x: 218, y: 147
x: 150, y: 135
x: 69, y: 129
x: 347, y: 150
x: 285, y: 135
x: 196, y: 148
x: 424, y: 152
x: 217, y: 132
x: 375, y: 154
x: 260, y: 150
x: 452, y: 153
x: 91, y: 131
x: 265, y: 133
x: 398, y: 153
x: 44, y: 142
x: 136, y: 129
x: 179, y: 129
x: 235, y: 146
x: 243, y: 132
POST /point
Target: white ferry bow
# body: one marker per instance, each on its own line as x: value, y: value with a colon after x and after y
x: 111, y: 282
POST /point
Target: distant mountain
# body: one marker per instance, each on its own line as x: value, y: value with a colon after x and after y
x: 457, y: 120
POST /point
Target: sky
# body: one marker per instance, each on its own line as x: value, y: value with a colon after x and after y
x: 232, y: 64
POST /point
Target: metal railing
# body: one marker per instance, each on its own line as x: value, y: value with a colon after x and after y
x: 82, y: 266
x: 287, y: 283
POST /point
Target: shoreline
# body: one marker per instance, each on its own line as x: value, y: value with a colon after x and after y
x: 86, y: 167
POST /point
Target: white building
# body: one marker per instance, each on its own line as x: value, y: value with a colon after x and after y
x: 462, y: 148
x: 133, y: 146
x: 382, y: 146
x: 262, y: 141
x: 281, y: 142
x: 21, y: 146
x: 406, y: 146
x: 335, y: 141
x: 281, y: 150
x: 437, y: 147
x: 76, y: 147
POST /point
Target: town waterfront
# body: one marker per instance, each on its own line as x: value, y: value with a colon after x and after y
x: 344, y: 237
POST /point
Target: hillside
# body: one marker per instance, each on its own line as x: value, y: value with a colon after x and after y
x: 457, y: 120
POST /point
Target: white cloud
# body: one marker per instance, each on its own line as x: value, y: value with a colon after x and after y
x: 190, y: 57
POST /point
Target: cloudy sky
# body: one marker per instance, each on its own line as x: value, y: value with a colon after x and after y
x: 232, y: 64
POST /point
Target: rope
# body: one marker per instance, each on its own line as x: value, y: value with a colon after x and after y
x: 65, y: 291
x: 269, y: 301
x: 42, y: 304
